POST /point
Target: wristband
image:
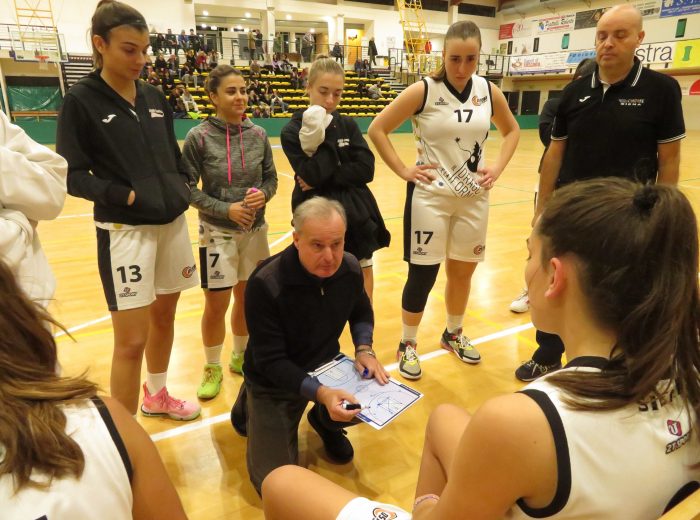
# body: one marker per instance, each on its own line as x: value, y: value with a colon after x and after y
x: 367, y: 351
x: 423, y: 498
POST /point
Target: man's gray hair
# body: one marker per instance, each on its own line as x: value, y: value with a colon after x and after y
x: 318, y: 208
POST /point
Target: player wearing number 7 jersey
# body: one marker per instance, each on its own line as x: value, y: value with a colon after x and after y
x: 446, y: 209
x: 116, y: 133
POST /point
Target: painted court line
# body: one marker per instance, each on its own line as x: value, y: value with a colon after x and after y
x: 79, y: 215
x: 181, y: 430
x: 83, y: 325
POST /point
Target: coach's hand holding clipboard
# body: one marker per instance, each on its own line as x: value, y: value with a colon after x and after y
x: 368, y: 366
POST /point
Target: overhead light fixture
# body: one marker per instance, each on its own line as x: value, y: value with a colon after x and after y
x: 214, y: 28
x: 289, y: 17
x: 247, y: 15
x: 239, y: 27
x: 312, y: 30
x: 204, y: 26
x: 205, y: 13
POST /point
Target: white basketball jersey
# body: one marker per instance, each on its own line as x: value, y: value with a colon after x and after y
x: 453, y: 133
x: 103, y: 491
x: 627, y: 463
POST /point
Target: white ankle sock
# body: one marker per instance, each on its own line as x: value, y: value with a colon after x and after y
x: 213, y: 354
x: 239, y: 344
x: 454, y: 322
x: 409, y: 333
x: 156, y: 382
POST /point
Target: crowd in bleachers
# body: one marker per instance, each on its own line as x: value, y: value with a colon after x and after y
x: 276, y: 88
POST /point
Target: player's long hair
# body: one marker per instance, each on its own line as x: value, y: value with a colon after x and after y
x: 461, y: 30
x: 108, y: 15
x: 322, y: 65
x: 32, y: 423
x: 636, y: 248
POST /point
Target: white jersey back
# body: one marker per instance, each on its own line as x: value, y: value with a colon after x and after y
x: 626, y: 463
x: 451, y: 132
x: 103, y: 491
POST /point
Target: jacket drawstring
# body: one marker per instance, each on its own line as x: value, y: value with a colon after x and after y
x: 228, y: 150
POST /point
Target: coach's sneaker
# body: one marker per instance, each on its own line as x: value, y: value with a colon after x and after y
x: 529, y: 371
x: 521, y: 303
x: 461, y: 346
x: 236, y: 363
x: 409, y: 364
x: 211, y: 381
x: 163, y: 404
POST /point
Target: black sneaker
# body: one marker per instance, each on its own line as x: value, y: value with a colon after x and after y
x: 529, y: 371
x: 335, y: 442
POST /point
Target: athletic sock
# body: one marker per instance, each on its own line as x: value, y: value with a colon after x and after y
x: 409, y: 333
x: 239, y: 344
x: 156, y: 382
x: 213, y: 354
x: 454, y: 322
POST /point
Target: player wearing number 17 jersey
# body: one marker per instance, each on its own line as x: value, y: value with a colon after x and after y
x: 446, y: 209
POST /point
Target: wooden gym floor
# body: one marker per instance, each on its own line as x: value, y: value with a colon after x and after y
x: 205, y: 458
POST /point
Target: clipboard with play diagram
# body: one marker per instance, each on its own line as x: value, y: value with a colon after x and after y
x: 380, y: 404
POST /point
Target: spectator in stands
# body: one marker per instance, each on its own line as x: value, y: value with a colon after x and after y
x: 201, y: 62
x: 294, y: 78
x: 188, y: 101
x: 253, y: 97
x: 286, y: 66
x: 254, y: 69
x: 189, y: 75
x: 277, y: 44
x: 253, y: 85
x: 212, y: 59
x: 170, y: 41
x: 183, y: 41
x: 160, y: 64
x: 374, y: 91
x: 303, y: 77
x: 66, y: 452
x: 175, y: 100
x: 276, y: 64
x: 307, y: 46
x: 194, y: 41
x: 372, y: 52
x: 362, y: 90
x: 276, y: 100
x: 337, y: 53
x: 146, y: 71
x: 191, y: 59
x: 259, y: 45
x: 266, y: 92
x: 168, y: 81
x: 160, y: 43
x: 174, y: 63
x: 251, y: 44
x: 32, y: 189
x: 154, y: 79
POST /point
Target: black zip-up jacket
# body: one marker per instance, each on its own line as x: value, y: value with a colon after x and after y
x: 113, y: 148
x: 295, y: 320
x: 340, y: 169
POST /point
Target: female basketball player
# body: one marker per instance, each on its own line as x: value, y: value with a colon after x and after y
x: 330, y: 158
x: 117, y: 135
x: 66, y: 452
x: 233, y: 158
x: 611, y: 434
x: 447, y: 200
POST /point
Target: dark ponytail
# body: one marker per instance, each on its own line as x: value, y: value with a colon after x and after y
x: 108, y: 15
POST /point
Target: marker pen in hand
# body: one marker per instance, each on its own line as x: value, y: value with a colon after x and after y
x: 351, y: 406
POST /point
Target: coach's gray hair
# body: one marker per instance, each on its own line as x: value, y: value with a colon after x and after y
x: 317, y: 207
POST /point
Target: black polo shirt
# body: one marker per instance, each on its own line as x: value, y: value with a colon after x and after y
x: 615, y: 132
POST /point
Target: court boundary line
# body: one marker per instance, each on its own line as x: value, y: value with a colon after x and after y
x: 187, y: 428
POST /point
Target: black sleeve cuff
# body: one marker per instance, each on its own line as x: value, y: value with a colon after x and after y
x: 309, y: 388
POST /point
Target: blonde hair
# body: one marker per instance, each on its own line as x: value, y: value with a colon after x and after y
x: 324, y: 65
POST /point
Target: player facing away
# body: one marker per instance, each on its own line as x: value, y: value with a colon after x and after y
x: 117, y: 134
x: 233, y: 159
x: 447, y: 195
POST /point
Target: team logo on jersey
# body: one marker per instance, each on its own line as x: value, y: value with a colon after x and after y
x: 419, y: 251
x: 382, y: 514
x: 674, y: 428
x: 477, y: 101
x: 343, y: 142
x: 155, y: 112
x: 188, y: 271
x: 479, y: 249
x: 678, y: 443
x: 583, y: 99
x: 441, y: 101
x: 127, y: 293
x: 109, y: 118
x: 632, y: 102
x: 217, y: 276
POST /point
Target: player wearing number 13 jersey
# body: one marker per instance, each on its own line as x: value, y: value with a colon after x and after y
x: 446, y: 209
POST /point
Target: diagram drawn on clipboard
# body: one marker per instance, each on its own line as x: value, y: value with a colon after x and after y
x: 381, y: 404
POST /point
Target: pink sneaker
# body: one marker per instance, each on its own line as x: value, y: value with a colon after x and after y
x: 163, y: 404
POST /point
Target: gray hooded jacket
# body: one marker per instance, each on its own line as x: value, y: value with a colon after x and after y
x: 230, y: 159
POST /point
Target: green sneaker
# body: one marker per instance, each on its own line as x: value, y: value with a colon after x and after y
x: 236, y: 363
x: 211, y: 381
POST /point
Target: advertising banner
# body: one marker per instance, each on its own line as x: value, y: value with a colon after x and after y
x: 564, y: 22
x: 679, y: 7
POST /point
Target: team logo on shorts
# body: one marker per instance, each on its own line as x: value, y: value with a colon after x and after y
x: 383, y: 514
x: 477, y: 101
x: 674, y: 428
x: 217, y: 276
x: 479, y: 249
x: 188, y: 271
x: 127, y: 293
x: 420, y: 251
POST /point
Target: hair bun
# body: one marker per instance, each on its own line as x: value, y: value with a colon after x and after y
x: 645, y: 199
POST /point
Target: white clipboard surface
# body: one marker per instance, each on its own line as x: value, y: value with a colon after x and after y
x: 381, y: 404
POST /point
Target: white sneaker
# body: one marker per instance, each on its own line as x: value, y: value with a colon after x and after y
x: 521, y: 303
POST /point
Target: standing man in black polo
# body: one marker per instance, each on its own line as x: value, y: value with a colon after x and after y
x: 624, y: 120
x: 297, y: 304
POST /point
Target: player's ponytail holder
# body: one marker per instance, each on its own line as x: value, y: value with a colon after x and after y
x: 645, y: 199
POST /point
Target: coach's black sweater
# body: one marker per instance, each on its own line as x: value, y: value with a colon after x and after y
x: 295, y: 320
x: 113, y: 148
